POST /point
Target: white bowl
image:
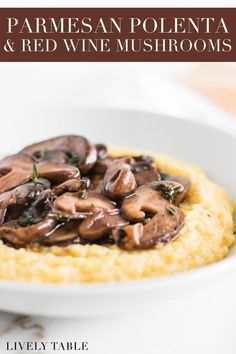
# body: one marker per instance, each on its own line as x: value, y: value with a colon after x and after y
x: 206, y: 146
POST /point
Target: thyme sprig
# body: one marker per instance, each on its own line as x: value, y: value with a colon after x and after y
x: 26, y: 219
x: 74, y: 160
x: 36, y: 179
x: 172, y: 211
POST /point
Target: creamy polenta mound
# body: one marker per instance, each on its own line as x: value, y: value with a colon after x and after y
x: 206, y: 237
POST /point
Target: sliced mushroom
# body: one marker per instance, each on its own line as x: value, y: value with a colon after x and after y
x: 52, y: 156
x: 23, y: 194
x: 78, y: 205
x: 119, y: 180
x: 101, y: 166
x: 71, y: 185
x: 144, y: 200
x: 98, y: 225
x: 18, y: 169
x: 96, y: 183
x: 82, y: 154
x: 103, y: 160
x: 18, y: 161
x: 128, y: 237
x: 168, y: 219
x: 170, y: 190
x: 41, y: 206
x: 162, y: 228
x: 62, y: 234
x: 183, y: 181
x: 15, y: 170
x: 18, y: 235
x: 144, y: 171
x: 56, y: 172
x: 101, y: 151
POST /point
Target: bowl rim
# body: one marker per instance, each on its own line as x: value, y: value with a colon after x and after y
x: 142, y: 284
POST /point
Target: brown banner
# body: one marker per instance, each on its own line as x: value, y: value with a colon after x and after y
x: 117, y: 34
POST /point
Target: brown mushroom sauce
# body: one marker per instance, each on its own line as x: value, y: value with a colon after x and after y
x: 66, y: 190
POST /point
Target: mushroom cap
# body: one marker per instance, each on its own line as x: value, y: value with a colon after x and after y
x: 21, y: 194
x: 162, y: 228
x: 41, y: 206
x: 74, y: 206
x: 51, y: 155
x: 62, y: 234
x: 57, y: 172
x: 183, y: 181
x: 101, y: 166
x: 71, y: 185
x: 14, y: 202
x: 101, y: 151
x: 170, y: 190
x: 96, y: 183
x: 119, y: 180
x: 15, y: 170
x: 17, y: 235
x: 144, y: 171
x: 73, y: 145
x: 19, y: 160
x: 99, y: 225
x: 103, y: 160
x: 128, y: 237
x: 144, y: 200
x: 167, y: 221
x: 18, y: 169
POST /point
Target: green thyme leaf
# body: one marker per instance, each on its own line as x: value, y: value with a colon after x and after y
x: 32, y: 195
x: 171, y: 210
x: 35, y: 171
x: 42, y: 181
x: 83, y: 194
x: 74, y: 160
x: 177, y: 189
x: 26, y: 219
x: 169, y: 193
x: 60, y: 218
x: 36, y: 179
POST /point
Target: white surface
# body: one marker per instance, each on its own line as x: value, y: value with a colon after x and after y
x: 141, y: 86
x: 206, y: 322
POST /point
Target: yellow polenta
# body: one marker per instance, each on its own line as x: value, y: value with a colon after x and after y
x: 206, y: 237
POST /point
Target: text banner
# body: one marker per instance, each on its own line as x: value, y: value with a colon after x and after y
x: 117, y: 34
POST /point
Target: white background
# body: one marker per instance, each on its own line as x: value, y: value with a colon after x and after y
x: 154, y: 87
